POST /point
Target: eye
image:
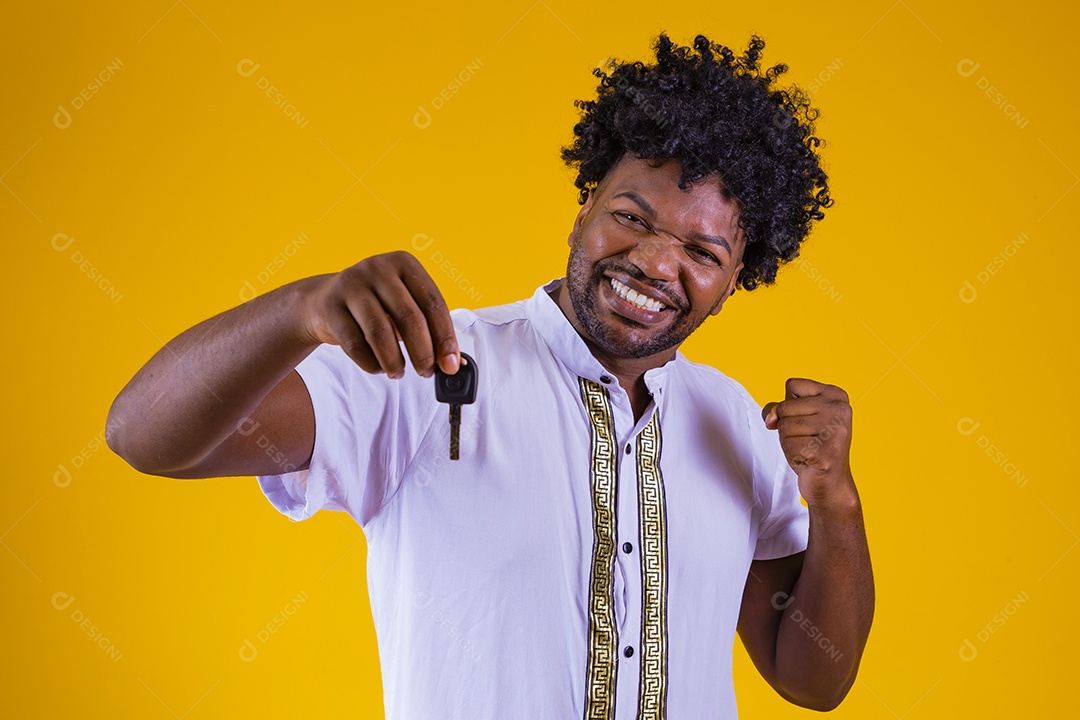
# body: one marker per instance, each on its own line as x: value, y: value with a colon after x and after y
x: 703, y: 255
x: 628, y: 218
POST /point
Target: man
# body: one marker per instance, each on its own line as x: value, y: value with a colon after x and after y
x: 617, y: 512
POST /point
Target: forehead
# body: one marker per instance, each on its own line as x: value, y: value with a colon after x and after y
x: 703, y: 207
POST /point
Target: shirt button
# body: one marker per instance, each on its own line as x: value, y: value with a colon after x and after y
x: 606, y: 379
x: 627, y: 547
x: 628, y: 449
x: 628, y: 651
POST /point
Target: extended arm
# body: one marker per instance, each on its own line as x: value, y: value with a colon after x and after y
x: 214, y: 398
x: 202, y: 386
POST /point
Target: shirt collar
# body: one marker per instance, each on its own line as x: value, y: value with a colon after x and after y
x: 570, y: 348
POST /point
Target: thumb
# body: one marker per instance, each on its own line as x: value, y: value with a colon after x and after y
x: 768, y: 414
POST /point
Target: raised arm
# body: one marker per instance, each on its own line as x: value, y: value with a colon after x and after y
x: 805, y: 618
x: 214, y: 399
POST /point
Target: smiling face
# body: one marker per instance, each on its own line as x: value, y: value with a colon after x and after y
x: 650, y: 262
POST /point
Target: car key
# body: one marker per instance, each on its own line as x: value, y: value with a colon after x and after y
x: 457, y: 390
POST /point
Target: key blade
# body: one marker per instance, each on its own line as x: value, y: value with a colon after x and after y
x: 455, y: 430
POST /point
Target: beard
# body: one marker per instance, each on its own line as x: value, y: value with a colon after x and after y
x: 619, y: 336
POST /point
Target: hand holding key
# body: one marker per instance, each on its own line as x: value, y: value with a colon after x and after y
x: 368, y: 307
x: 457, y: 390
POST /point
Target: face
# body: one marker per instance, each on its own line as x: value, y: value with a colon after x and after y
x: 650, y: 262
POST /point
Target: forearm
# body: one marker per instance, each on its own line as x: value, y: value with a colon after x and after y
x: 194, y: 392
x: 827, y: 618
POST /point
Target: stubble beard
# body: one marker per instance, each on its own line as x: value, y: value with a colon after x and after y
x: 583, y: 283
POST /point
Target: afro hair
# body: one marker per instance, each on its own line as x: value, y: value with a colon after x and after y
x: 717, y: 114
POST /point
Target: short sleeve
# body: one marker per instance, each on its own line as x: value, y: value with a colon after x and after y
x: 785, y: 521
x: 367, y: 428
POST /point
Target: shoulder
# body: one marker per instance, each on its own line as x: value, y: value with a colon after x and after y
x: 709, y: 381
x: 486, y: 318
x: 497, y: 327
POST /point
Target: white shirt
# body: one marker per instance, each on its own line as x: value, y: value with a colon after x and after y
x: 573, y: 563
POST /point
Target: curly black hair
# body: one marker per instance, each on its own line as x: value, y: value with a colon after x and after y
x: 717, y: 114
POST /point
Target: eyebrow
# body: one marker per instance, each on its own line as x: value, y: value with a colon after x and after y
x: 640, y: 201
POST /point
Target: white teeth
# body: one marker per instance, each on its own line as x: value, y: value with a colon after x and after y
x: 634, y: 297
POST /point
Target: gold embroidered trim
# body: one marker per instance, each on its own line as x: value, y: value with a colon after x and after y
x: 652, y: 542
x: 603, y: 636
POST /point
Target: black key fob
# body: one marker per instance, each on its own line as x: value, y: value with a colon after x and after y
x: 459, y: 388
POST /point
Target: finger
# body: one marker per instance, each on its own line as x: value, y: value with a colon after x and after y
x: 800, y: 450
x: 802, y: 432
x: 442, y: 335
x: 350, y: 338
x: 409, y: 322
x: 802, y: 387
x: 799, y: 425
x: 379, y: 333
x: 768, y: 414
x: 799, y: 406
x: 773, y: 412
x: 794, y: 389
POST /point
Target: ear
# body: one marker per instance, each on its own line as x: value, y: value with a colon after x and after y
x: 582, y: 213
x: 730, y: 289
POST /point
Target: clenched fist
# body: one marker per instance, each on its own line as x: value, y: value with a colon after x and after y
x: 814, y: 422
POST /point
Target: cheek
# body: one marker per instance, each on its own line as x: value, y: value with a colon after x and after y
x: 609, y: 238
x: 706, y: 287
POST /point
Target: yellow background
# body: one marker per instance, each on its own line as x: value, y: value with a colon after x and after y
x: 179, y: 181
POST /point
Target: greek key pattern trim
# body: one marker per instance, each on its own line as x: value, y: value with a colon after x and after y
x: 652, y: 542
x: 603, y: 636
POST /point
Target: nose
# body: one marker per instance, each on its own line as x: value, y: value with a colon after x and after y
x: 656, y: 257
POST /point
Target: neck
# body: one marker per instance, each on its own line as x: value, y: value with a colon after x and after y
x: 629, y: 371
